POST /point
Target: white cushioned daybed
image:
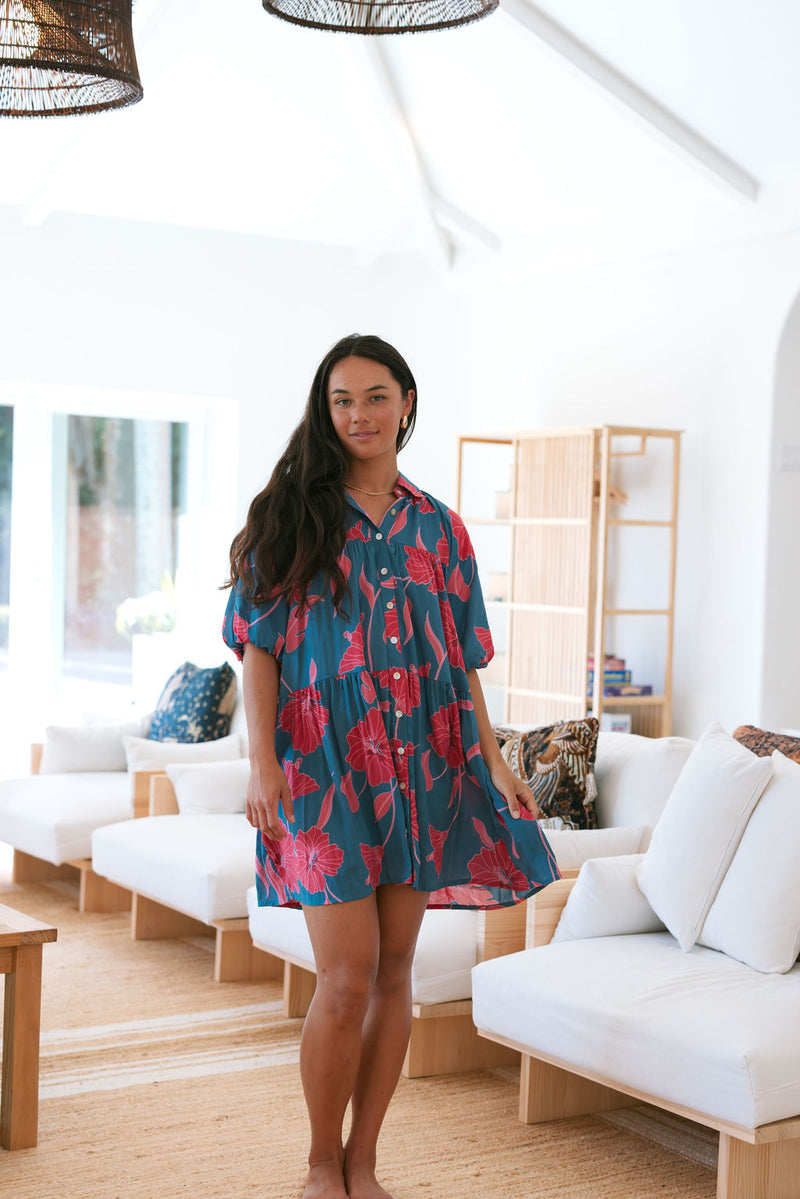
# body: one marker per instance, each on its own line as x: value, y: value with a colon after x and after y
x: 672, y: 977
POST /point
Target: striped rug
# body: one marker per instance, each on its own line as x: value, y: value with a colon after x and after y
x: 157, y: 1083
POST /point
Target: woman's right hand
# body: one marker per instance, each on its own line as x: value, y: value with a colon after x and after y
x: 266, y: 789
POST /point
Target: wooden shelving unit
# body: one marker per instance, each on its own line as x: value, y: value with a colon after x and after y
x: 562, y: 501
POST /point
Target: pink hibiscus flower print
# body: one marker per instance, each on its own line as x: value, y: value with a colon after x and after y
x: 445, y: 735
x: 299, y: 782
x: 373, y: 860
x: 421, y: 567
x: 304, y: 718
x: 494, y: 868
x: 369, y: 749
x: 240, y: 629
x: 317, y: 858
x: 279, y: 857
x: 465, y: 550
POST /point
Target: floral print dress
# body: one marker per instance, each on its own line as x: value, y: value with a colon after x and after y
x: 376, y: 731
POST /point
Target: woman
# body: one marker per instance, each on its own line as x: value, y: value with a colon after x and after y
x: 377, y: 785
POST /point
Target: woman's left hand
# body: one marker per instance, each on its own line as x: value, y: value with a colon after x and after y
x: 513, y: 790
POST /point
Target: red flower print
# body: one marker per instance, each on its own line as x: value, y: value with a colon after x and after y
x: 421, y: 568
x: 240, y: 629
x: 373, y: 860
x: 456, y: 585
x: 296, y: 627
x: 450, y: 635
x: 465, y: 550
x: 299, y: 783
x: 404, y: 691
x: 353, y: 656
x: 464, y: 896
x: 391, y: 624
x: 485, y: 638
x: 349, y: 792
x: 356, y: 533
x: 304, y: 718
x: 279, y: 858
x: 438, y: 838
x: 443, y: 549
x: 317, y: 858
x: 369, y: 749
x: 445, y: 735
x: 399, y: 522
x: 494, y: 868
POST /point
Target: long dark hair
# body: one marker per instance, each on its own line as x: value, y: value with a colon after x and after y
x: 295, y: 526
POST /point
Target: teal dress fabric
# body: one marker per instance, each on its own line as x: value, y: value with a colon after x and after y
x: 376, y: 731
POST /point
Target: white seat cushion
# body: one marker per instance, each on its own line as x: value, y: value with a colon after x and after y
x: 53, y: 816
x: 441, y: 971
x: 201, y: 865
x: 697, y: 1028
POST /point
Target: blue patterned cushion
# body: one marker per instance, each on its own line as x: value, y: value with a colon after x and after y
x: 195, y: 705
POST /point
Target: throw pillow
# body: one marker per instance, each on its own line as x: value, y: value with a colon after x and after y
x: 195, y: 705
x: 210, y: 787
x: 635, y: 776
x: 70, y: 750
x: 755, y: 917
x: 697, y: 833
x: 606, y: 902
x: 760, y: 742
x: 557, y: 763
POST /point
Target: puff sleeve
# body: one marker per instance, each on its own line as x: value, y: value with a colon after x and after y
x: 263, y: 625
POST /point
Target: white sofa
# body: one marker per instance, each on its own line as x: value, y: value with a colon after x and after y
x: 703, y: 1019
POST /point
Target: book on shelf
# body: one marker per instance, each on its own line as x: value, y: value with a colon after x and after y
x: 612, y: 676
x: 611, y: 661
x: 614, y: 691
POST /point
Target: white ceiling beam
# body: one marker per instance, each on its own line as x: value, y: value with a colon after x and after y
x: 420, y: 193
x: 656, y: 117
x: 462, y: 224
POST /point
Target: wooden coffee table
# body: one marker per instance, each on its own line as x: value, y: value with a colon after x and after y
x: 21, y: 941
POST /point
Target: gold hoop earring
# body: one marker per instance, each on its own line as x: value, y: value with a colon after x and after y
x: 404, y: 423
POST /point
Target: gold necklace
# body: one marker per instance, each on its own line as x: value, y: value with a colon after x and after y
x: 363, y: 490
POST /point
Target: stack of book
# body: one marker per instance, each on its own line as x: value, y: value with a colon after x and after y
x: 616, y: 679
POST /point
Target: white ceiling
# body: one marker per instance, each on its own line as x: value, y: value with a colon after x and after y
x: 257, y: 126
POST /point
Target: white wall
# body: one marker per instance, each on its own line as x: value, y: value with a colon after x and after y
x: 687, y: 341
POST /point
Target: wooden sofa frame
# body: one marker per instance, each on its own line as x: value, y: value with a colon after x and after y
x: 753, y: 1163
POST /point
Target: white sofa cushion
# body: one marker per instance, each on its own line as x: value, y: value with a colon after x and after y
x: 697, y: 1029
x: 760, y: 924
x: 53, y: 816
x: 606, y: 902
x: 83, y: 748
x: 210, y: 787
x: 447, y: 947
x: 697, y: 834
x: 144, y: 754
x: 200, y: 865
x: 574, y: 846
x: 635, y: 776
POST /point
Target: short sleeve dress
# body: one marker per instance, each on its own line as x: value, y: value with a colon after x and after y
x: 376, y: 731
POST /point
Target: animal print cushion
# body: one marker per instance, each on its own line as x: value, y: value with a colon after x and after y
x: 557, y: 763
x: 762, y: 743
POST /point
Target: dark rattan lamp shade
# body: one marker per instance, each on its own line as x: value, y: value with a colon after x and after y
x: 380, y: 16
x: 57, y: 59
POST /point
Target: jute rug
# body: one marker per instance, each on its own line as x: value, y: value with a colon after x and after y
x: 157, y: 1083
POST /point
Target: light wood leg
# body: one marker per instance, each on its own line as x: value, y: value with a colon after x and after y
x: 28, y: 869
x: 19, y: 1099
x: 767, y: 1171
x: 151, y: 921
x: 97, y: 894
x: 449, y: 1044
x: 236, y: 958
x: 298, y: 990
x: 549, y: 1093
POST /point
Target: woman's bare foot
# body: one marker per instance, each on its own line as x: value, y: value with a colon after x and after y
x: 362, y: 1183
x: 325, y: 1181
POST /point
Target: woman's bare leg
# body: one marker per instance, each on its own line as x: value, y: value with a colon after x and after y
x: 345, y: 940
x: 385, y: 1034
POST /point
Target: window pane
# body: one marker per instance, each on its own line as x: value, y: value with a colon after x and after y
x: 126, y: 484
x: 6, y: 442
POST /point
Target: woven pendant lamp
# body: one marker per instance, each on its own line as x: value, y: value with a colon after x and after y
x: 57, y: 59
x: 380, y: 16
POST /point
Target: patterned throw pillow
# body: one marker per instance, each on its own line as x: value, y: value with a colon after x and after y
x: 762, y: 743
x: 195, y: 705
x: 557, y: 763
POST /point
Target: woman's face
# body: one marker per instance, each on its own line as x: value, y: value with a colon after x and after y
x: 366, y: 404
